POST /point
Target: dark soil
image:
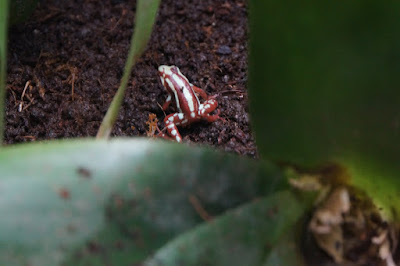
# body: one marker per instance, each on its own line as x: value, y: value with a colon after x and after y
x: 73, y: 53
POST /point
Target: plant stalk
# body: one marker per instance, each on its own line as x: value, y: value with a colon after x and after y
x: 145, y: 16
x: 3, y: 62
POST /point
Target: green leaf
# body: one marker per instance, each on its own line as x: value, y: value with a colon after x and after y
x: 324, y: 87
x: 287, y: 252
x: 3, y: 61
x: 146, y: 11
x: 114, y: 202
x: 244, y: 236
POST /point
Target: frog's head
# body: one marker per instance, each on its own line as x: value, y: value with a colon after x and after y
x: 164, y: 70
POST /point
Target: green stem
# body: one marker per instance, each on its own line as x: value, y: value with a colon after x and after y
x: 112, y: 112
x: 3, y: 62
x: 145, y: 16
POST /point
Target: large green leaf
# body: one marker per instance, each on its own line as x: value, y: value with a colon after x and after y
x: 114, y: 202
x: 287, y: 252
x: 324, y: 87
x: 244, y: 236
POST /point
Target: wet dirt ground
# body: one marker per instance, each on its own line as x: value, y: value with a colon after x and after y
x: 66, y: 61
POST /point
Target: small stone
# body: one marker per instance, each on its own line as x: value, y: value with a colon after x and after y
x: 224, y: 50
x: 203, y: 57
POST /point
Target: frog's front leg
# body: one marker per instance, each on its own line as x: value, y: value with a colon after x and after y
x: 173, y: 120
x: 167, y: 102
x: 206, y: 108
x: 199, y: 91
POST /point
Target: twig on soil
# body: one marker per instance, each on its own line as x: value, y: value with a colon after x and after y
x: 54, y: 12
x: 42, y: 90
x: 123, y: 14
x: 102, y: 88
x: 73, y: 72
x: 159, y: 105
x: 33, y: 138
x: 21, y: 104
x: 13, y: 94
x: 225, y: 92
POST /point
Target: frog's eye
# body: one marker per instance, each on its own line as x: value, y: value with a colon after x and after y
x: 161, y: 68
x: 165, y: 70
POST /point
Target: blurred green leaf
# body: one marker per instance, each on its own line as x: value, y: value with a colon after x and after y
x: 324, y: 79
x: 287, y: 252
x: 20, y: 10
x: 244, y: 236
x: 3, y: 61
x: 146, y: 11
x: 87, y: 201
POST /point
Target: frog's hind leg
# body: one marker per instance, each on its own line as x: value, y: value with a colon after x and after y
x: 207, y: 107
x: 200, y: 92
x: 171, y: 121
